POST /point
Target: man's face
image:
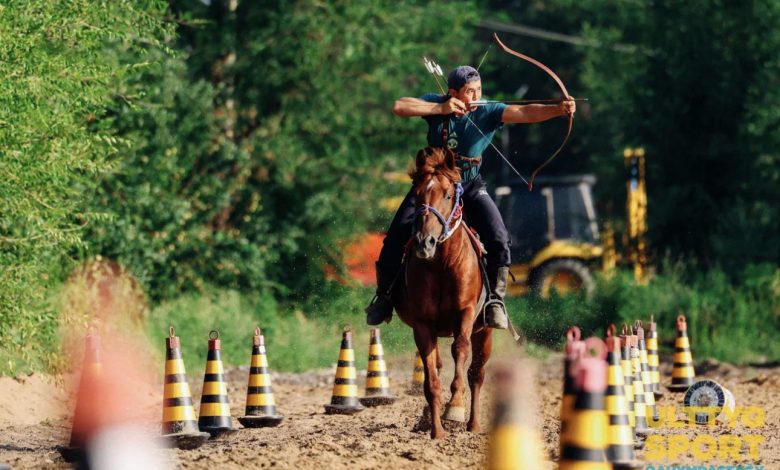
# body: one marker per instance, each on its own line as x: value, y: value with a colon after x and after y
x: 469, y: 92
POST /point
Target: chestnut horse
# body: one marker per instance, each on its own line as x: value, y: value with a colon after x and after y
x: 443, y: 286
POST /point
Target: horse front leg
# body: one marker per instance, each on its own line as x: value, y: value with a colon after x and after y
x: 461, y: 346
x: 481, y: 344
x: 426, y: 346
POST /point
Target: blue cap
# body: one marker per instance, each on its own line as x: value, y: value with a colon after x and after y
x: 462, y: 75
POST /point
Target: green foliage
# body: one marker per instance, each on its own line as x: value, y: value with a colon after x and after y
x: 695, y: 92
x: 727, y: 321
x: 57, y: 76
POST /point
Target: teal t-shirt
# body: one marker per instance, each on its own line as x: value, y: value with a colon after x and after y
x: 464, y: 137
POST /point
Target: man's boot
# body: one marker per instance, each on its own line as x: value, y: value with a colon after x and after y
x: 495, y: 311
x: 381, y: 307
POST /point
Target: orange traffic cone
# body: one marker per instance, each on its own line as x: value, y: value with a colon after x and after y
x: 260, y: 406
x: 683, y: 375
x: 377, y: 382
x: 620, y: 449
x: 514, y: 440
x: 628, y: 372
x: 215, y: 416
x: 344, y: 399
x: 640, y: 404
x: 90, y: 373
x: 584, y: 441
x: 651, y: 340
x: 179, y: 427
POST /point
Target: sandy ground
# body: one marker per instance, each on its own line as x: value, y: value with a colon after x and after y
x: 34, y: 419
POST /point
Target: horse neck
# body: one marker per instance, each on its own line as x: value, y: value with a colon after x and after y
x: 453, y: 248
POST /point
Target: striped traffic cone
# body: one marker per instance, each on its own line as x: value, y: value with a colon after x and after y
x: 651, y: 341
x: 571, y: 352
x: 620, y: 442
x: 215, y: 416
x: 260, y: 406
x: 628, y: 373
x: 640, y: 404
x: 377, y: 381
x: 179, y: 427
x: 647, y: 380
x: 683, y: 375
x: 584, y: 441
x: 418, y: 376
x: 514, y: 441
x: 344, y: 399
x: 91, y: 371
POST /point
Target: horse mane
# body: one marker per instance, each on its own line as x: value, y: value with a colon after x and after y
x: 434, y: 161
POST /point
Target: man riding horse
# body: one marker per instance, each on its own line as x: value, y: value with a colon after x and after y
x: 458, y: 126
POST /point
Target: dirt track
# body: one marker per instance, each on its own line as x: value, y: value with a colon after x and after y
x: 375, y: 438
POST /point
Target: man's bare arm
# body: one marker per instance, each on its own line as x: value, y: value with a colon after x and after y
x: 409, y: 107
x: 529, y: 113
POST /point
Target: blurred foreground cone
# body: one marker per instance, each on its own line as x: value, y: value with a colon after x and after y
x: 377, y: 381
x: 418, y: 376
x: 620, y: 442
x: 344, y: 399
x: 514, y: 440
x: 641, y: 427
x: 683, y: 375
x: 584, y: 441
x: 571, y: 352
x: 651, y: 340
x: 179, y: 426
x: 260, y: 406
x: 214, y: 417
x: 647, y: 380
x: 628, y: 373
x: 90, y: 374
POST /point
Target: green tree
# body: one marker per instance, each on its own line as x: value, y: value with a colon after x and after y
x: 58, y: 74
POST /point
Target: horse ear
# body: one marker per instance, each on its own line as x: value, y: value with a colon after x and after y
x: 449, y: 160
x: 422, y: 157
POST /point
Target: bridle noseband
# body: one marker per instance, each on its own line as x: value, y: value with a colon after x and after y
x: 455, y: 214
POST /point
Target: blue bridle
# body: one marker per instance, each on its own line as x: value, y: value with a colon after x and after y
x: 425, y: 208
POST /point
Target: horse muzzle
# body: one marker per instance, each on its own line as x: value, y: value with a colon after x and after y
x: 424, y: 246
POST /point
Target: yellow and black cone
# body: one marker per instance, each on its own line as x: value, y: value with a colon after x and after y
x: 647, y: 380
x: 651, y: 341
x: 620, y: 440
x: 179, y: 427
x: 640, y: 404
x: 628, y: 372
x: 418, y: 376
x: 683, y: 375
x: 344, y: 399
x: 377, y: 381
x: 514, y: 441
x: 571, y: 352
x: 215, y: 416
x: 260, y: 405
x: 584, y: 441
x: 90, y: 372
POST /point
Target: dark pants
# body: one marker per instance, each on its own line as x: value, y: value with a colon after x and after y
x: 481, y: 213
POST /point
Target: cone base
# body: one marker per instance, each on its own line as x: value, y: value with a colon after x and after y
x: 185, y: 441
x: 216, y: 433
x: 260, y: 421
x: 679, y: 388
x: 378, y: 400
x: 72, y: 454
x: 343, y: 409
x: 632, y: 465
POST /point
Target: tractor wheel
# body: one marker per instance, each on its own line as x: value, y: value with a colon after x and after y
x: 566, y: 276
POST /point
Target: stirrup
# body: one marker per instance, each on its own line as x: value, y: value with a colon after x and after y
x: 494, y: 300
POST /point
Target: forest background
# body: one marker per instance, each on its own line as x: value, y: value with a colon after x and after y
x: 223, y: 153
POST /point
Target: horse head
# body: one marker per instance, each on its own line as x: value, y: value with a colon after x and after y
x: 437, y: 194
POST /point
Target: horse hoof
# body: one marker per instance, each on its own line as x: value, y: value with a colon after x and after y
x: 455, y: 413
